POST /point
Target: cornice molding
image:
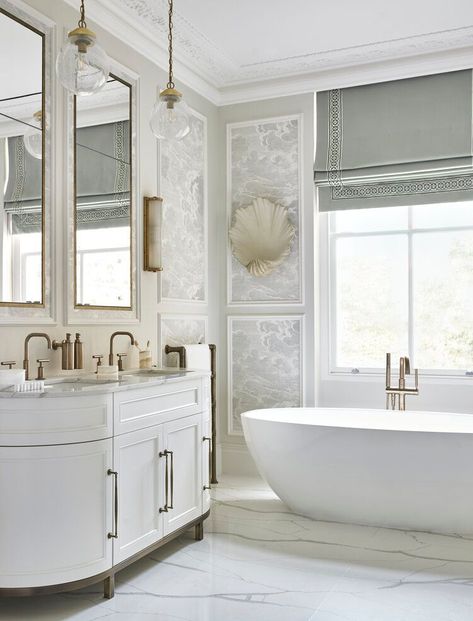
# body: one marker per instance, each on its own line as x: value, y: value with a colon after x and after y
x: 205, y: 68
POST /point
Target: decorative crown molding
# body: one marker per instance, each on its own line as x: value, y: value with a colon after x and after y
x: 204, y: 67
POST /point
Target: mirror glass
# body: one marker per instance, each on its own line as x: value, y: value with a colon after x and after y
x: 22, y: 165
x: 102, y: 215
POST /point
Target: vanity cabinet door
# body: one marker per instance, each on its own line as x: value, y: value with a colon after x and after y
x: 183, y: 442
x: 139, y: 468
x: 55, y: 513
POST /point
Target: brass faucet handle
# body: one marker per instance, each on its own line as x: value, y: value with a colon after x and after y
x: 120, y: 361
x: 98, y: 357
x: 41, y: 362
x: 8, y: 363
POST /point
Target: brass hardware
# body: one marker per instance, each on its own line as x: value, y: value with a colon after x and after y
x: 40, y: 362
x: 398, y: 395
x: 109, y: 587
x: 26, y: 362
x: 170, y: 84
x: 114, y: 473
x: 120, y: 361
x: 120, y: 333
x: 199, y: 531
x: 166, y: 483
x: 98, y: 357
x: 67, y: 346
x: 78, y: 353
x: 171, y: 504
x: 152, y: 229
x: 209, y: 440
x: 8, y: 363
x: 181, y: 353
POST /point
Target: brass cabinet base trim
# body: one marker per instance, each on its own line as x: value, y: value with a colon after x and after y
x: 107, y: 576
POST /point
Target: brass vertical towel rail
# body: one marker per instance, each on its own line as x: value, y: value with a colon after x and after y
x: 181, y: 352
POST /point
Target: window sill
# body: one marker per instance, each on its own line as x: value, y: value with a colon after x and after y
x: 427, y: 377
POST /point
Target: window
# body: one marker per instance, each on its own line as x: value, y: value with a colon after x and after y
x: 401, y: 280
x: 104, y: 255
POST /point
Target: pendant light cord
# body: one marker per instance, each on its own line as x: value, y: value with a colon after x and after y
x: 82, y: 22
x: 170, y: 82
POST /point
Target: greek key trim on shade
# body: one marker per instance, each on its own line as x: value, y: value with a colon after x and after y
x: 152, y: 232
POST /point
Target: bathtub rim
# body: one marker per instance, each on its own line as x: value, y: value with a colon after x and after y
x: 408, y: 421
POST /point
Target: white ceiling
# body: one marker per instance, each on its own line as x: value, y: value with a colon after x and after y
x: 231, y: 46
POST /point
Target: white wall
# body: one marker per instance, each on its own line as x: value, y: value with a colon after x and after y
x: 96, y: 337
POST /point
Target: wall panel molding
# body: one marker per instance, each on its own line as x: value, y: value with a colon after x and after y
x: 264, y: 158
x: 265, y: 364
x: 183, y: 185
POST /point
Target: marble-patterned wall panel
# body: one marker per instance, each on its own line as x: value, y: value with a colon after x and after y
x: 264, y: 161
x: 183, y: 189
x: 178, y: 330
x: 265, y: 364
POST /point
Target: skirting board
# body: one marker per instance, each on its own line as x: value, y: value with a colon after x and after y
x: 236, y: 460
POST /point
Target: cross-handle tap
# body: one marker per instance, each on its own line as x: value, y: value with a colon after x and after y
x: 26, y: 362
x: 132, y: 339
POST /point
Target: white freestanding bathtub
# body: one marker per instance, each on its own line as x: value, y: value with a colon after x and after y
x: 408, y: 470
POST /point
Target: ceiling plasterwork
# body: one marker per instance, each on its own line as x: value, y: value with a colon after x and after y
x: 191, y: 46
x: 246, y: 69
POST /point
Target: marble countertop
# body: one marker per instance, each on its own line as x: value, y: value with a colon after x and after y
x: 86, y: 384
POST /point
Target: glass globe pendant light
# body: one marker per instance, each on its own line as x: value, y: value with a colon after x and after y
x: 170, y: 119
x: 33, y: 138
x: 82, y: 66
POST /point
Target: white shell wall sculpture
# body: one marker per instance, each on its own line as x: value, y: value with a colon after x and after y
x: 261, y: 236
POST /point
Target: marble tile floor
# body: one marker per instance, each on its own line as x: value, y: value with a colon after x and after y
x: 260, y: 562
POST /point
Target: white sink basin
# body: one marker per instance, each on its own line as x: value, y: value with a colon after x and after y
x: 156, y: 373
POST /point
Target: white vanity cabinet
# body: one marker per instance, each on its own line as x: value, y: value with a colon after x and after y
x: 183, y: 452
x: 92, y: 482
x: 140, y: 490
x: 55, y: 513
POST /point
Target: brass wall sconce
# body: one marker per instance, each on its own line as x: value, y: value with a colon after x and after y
x: 153, y: 221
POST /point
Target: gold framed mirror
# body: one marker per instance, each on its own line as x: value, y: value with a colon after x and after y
x: 23, y: 155
x: 103, y: 198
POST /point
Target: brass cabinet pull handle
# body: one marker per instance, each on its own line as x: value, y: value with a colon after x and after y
x: 171, y: 504
x: 114, y: 473
x: 166, y: 484
x: 209, y: 440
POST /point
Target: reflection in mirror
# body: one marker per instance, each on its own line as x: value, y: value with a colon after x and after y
x: 21, y: 163
x: 103, y: 197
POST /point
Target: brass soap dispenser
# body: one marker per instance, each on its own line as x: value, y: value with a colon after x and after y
x: 67, y: 347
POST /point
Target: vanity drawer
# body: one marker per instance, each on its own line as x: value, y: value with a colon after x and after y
x: 44, y: 421
x: 144, y: 407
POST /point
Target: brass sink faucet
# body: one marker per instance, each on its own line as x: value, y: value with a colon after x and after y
x: 398, y: 395
x: 26, y: 356
x: 110, y: 357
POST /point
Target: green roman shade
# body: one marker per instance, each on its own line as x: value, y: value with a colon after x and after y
x: 23, y: 193
x: 403, y: 142
x: 102, y: 180
x: 103, y: 175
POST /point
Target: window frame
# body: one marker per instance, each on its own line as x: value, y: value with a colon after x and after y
x: 328, y: 286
